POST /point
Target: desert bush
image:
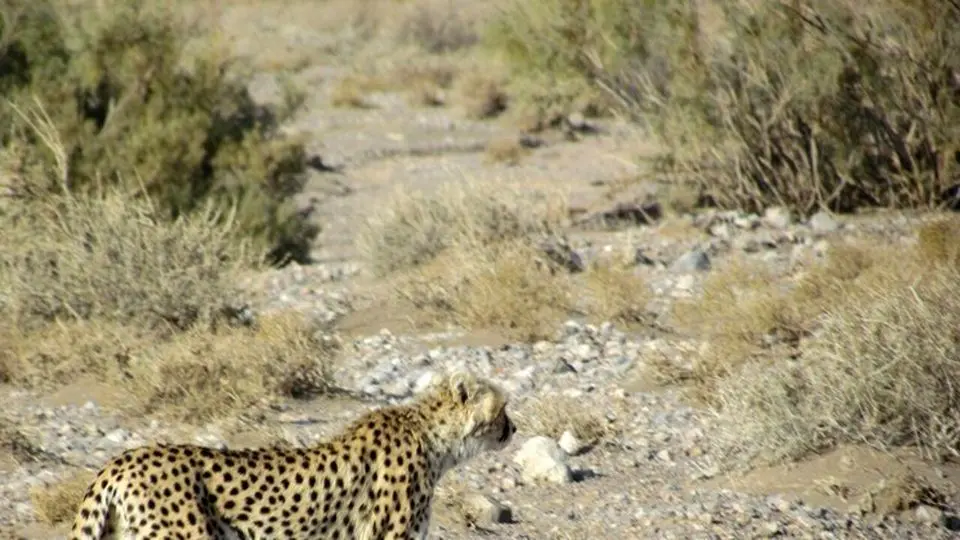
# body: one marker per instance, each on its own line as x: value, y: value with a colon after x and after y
x: 113, y: 258
x: 553, y: 415
x: 413, y: 227
x: 197, y: 375
x: 113, y: 94
x: 876, y: 126
x: 202, y: 375
x: 105, y: 287
x: 508, y: 285
x: 436, y: 26
x: 881, y: 372
x: 729, y: 89
x: 746, y: 312
x: 938, y: 242
x: 554, y: 46
x: 613, y: 292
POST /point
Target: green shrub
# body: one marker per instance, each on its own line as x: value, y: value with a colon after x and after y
x: 114, y: 95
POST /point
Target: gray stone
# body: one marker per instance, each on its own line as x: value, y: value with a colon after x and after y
x: 823, y: 222
x: 695, y: 260
x: 541, y: 459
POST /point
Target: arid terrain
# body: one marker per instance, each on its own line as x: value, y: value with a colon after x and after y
x: 691, y: 370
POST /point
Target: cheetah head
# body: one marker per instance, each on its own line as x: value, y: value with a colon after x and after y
x: 469, y: 415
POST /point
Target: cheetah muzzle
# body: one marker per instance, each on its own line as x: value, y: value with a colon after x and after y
x: 373, y: 481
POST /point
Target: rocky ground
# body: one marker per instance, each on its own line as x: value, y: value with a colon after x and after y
x: 643, y: 465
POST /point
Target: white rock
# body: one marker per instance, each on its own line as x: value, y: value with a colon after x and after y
x: 423, y: 381
x: 541, y: 459
x: 571, y: 444
x: 117, y: 436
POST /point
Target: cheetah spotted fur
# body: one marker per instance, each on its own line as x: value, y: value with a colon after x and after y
x: 373, y: 481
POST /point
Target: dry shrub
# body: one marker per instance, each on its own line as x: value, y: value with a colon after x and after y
x: 351, y: 91
x: 19, y: 447
x: 939, y: 242
x: 111, y: 257
x: 550, y: 417
x: 739, y: 308
x: 506, y: 285
x: 56, y: 354
x: 726, y: 88
x: 426, y: 79
x: 413, y: 228
x: 205, y: 375
x: 742, y: 117
x: 744, y: 312
x: 57, y: 502
x: 508, y: 150
x: 881, y: 371
x: 481, y: 95
x: 615, y: 293
x: 436, y: 26
x: 195, y: 376
x: 551, y: 45
x: 99, y: 287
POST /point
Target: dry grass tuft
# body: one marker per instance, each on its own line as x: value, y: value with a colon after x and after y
x: 115, y: 258
x: 738, y: 309
x: 414, y: 228
x: 436, y: 26
x: 939, y: 242
x: 427, y: 80
x: 17, y: 446
x: 506, y: 285
x: 196, y: 375
x: 481, y: 96
x: 551, y: 417
x: 57, y: 503
x: 880, y: 371
x: 201, y: 375
x: 745, y: 312
x: 615, y: 293
x: 904, y: 490
x: 508, y: 150
x: 861, y: 348
x: 351, y: 91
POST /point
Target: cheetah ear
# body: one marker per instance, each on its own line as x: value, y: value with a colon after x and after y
x: 462, y: 386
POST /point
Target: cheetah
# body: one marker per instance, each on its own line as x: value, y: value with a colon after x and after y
x: 373, y: 481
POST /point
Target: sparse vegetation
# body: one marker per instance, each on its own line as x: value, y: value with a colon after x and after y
x: 858, y: 349
x: 102, y: 287
x: 506, y: 285
x: 351, y: 91
x: 481, y: 96
x: 746, y: 311
x: 880, y: 372
x: 614, y: 293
